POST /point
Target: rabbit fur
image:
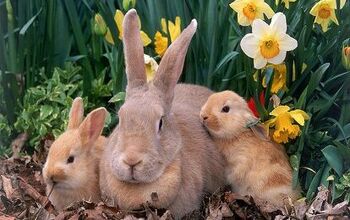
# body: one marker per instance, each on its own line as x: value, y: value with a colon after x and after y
x: 71, y: 168
x: 255, y: 166
x: 160, y: 153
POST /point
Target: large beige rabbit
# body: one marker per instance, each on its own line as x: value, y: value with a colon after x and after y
x: 160, y: 153
x: 72, y: 164
x: 255, y: 166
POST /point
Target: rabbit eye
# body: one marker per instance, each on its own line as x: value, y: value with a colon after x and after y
x: 160, y: 124
x: 225, y: 109
x: 70, y: 159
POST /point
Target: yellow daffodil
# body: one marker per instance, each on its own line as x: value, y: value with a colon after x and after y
x: 173, y: 30
x: 249, y: 10
x: 286, y: 2
x: 151, y: 67
x: 283, y: 124
x: 268, y: 43
x: 161, y: 43
x: 279, y: 78
x: 324, y: 12
x: 118, y: 19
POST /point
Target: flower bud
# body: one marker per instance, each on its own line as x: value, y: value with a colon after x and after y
x: 99, y: 25
x: 127, y: 4
x: 346, y: 54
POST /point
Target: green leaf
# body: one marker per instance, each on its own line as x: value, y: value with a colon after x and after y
x: 315, y: 79
x: 30, y: 22
x: 119, y: 97
x: 334, y: 158
x: 230, y: 56
x: 311, y: 192
x: 345, y: 134
x: 294, y: 162
x: 45, y: 111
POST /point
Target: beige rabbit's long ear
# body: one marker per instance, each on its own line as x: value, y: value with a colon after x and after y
x: 92, y: 126
x: 76, y: 113
x: 171, y: 65
x: 133, y: 51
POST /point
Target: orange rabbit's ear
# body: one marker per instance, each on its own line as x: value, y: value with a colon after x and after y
x: 92, y: 126
x: 76, y: 113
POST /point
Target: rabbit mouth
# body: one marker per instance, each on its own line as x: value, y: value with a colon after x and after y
x: 137, y: 176
x: 61, y: 186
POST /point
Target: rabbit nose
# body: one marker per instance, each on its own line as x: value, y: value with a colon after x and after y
x: 204, y: 117
x: 53, y: 179
x: 132, y: 162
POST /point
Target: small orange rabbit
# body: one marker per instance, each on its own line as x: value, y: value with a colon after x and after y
x: 71, y: 168
x: 255, y: 166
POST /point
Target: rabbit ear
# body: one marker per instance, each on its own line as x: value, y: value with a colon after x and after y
x: 92, y: 126
x: 171, y: 65
x: 133, y: 51
x: 76, y: 113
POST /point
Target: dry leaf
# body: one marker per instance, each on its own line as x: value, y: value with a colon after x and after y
x: 17, y: 145
x: 225, y: 210
x: 8, y: 188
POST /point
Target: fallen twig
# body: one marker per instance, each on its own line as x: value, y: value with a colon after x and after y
x: 33, y: 193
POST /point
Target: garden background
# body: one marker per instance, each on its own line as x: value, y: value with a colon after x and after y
x: 52, y: 51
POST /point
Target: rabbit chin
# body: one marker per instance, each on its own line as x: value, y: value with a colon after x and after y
x: 145, y: 173
x: 67, y: 184
x: 221, y: 133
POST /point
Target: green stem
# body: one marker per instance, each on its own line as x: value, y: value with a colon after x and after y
x: 11, y: 38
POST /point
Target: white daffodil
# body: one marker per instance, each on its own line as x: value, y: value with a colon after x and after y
x: 268, y: 43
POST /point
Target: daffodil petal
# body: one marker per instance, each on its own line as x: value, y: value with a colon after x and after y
x: 314, y: 9
x: 298, y: 118
x: 259, y: 27
x: 151, y: 67
x: 267, y: 10
x: 331, y: 3
x: 298, y: 114
x: 174, y: 29
x: 287, y: 43
x: 243, y: 20
x: 118, y: 19
x: 334, y: 18
x: 279, y: 22
x: 270, y: 122
x: 108, y: 37
x: 236, y: 5
x: 163, y: 24
x: 324, y: 25
x: 342, y: 3
x: 249, y: 45
x: 279, y: 58
x: 259, y: 62
x: 279, y: 110
x: 145, y: 39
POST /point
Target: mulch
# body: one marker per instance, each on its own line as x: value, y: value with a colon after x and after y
x: 22, y: 196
